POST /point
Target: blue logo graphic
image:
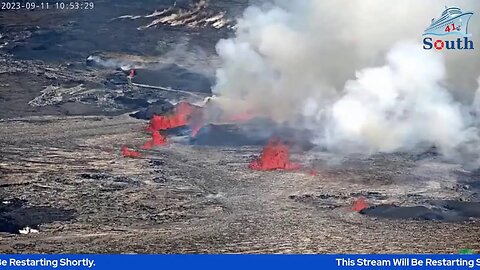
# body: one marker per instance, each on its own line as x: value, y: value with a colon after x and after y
x: 452, y: 22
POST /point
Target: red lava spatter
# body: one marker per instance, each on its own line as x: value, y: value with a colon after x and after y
x: 131, y: 74
x: 274, y: 156
x: 359, y: 204
x: 130, y: 153
x: 182, y: 113
x: 185, y: 114
x: 195, y: 129
x: 157, y: 140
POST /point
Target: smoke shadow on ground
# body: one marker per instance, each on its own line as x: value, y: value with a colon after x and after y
x: 15, y: 215
x: 441, y: 210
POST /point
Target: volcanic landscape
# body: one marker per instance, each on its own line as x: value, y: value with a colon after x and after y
x: 104, y: 149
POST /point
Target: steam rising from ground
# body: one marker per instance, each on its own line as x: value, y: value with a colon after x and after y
x: 399, y: 105
x: 355, y: 73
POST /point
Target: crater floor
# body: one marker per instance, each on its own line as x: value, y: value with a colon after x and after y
x: 188, y: 199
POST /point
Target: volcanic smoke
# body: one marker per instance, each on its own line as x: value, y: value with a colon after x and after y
x: 357, y: 78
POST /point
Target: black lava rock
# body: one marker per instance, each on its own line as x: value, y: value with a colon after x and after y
x: 157, y: 108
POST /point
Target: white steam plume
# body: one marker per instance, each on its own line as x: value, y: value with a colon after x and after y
x: 397, y: 106
x: 356, y: 73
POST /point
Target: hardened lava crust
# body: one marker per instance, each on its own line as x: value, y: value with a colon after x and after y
x: 201, y: 199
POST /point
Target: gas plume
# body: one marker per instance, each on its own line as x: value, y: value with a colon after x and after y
x: 356, y: 74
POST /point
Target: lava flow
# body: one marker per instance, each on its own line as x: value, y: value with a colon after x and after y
x: 157, y: 139
x: 274, y: 156
x: 181, y: 115
x: 359, y: 205
x: 130, y: 153
x: 196, y: 126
